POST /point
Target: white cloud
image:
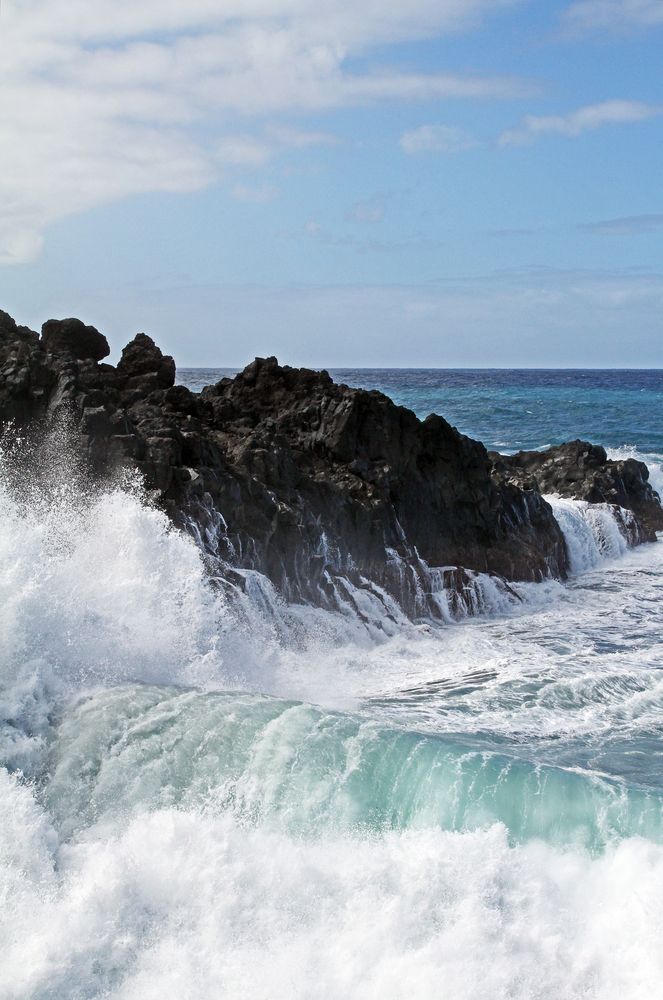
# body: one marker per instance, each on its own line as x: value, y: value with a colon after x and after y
x: 104, y: 100
x: 436, y: 139
x: 297, y: 138
x: 614, y: 14
x: 242, y: 150
x: 364, y: 22
x: 585, y: 119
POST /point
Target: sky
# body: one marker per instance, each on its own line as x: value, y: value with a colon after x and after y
x: 430, y: 183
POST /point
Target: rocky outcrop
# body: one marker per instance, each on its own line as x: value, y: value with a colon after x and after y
x: 144, y: 367
x: 352, y: 479
x: 317, y: 485
x: 583, y: 471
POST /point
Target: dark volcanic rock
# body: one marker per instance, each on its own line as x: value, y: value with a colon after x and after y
x: 26, y: 379
x: 583, y: 471
x: 12, y: 336
x: 71, y: 336
x: 142, y: 359
x: 329, y: 491
x: 375, y: 478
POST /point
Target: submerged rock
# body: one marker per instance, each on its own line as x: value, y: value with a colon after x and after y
x: 310, y: 482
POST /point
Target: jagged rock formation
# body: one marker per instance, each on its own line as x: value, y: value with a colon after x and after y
x: 385, y: 489
x: 315, y: 483
x: 583, y: 471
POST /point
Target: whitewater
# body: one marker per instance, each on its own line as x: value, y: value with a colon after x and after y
x: 209, y: 795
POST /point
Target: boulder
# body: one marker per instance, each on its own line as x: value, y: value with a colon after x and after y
x: 74, y: 338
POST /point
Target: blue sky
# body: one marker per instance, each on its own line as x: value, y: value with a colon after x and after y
x: 439, y: 183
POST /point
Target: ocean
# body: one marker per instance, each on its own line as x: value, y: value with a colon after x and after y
x: 202, y: 800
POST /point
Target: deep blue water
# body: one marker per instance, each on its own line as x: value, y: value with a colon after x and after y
x: 520, y: 408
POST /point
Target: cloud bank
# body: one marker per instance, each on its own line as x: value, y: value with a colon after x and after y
x: 497, y: 319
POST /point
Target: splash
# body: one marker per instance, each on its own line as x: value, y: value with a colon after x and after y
x: 193, y: 906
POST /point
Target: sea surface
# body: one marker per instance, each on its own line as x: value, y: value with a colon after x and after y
x: 204, y: 799
x: 515, y: 409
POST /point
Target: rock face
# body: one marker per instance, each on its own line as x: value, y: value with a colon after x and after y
x: 583, y: 471
x: 327, y: 476
x: 282, y: 470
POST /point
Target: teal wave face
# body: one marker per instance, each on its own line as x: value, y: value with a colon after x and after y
x: 305, y: 771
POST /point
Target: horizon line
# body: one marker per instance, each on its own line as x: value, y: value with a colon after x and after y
x: 433, y: 368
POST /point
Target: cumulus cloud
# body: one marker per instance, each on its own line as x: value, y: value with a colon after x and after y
x: 436, y: 139
x: 121, y: 97
x: 585, y: 119
x: 614, y: 14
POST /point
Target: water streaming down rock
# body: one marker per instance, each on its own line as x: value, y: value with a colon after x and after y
x: 593, y: 532
x: 436, y: 595
x: 580, y: 470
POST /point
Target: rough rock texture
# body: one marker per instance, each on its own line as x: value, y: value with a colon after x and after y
x: 583, y: 471
x: 327, y: 477
x: 316, y: 483
x: 71, y: 336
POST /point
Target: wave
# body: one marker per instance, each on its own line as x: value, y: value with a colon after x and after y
x: 307, y: 771
x: 98, y: 589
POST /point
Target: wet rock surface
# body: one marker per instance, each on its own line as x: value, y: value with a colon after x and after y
x: 310, y: 482
x: 583, y: 471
